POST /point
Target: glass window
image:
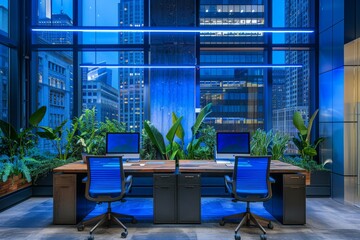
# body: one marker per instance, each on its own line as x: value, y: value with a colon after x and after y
x: 56, y: 13
x: 235, y: 93
x: 4, y: 83
x: 55, y: 88
x: 118, y: 90
x: 4, y: 17
x: 290, y: 90
x: 114, y: 13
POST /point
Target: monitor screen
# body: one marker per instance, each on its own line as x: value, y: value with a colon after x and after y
x: 126, y: 145
x: 229, y: 144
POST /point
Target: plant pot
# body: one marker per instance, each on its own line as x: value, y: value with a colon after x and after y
x: 12, y: 185
x: 320, y: 184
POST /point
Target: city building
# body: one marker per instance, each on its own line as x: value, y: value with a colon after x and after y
x: 99, y: 94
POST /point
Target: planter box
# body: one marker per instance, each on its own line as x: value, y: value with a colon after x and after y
x: 12, y: 185
x: 320, y: 184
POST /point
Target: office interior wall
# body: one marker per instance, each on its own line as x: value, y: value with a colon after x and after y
x: 339, y: 90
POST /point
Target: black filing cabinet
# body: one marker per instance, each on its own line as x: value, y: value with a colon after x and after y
x: 288, y: 203
x: 165, y: 198
x: 189, y: 198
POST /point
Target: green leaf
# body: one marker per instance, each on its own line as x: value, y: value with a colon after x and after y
x: 37, y: 116
x: 48, y: 133
x: 200, y: 118
x: 310, y: 151
x: 173, y: 154
x: 155, y: 137
x: 180, y: 133
x: 171, y: 134
x: 310, y: 125
x: 8, y: 130
x: 59, y: 128
x: 298, y: 122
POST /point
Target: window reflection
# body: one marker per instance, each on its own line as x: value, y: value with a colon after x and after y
x: 4, y: 17
x: 55, y: 89
x: 4, y: 83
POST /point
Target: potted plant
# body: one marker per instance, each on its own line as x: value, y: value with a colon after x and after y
x: 306, y: 148
x: 14, y: 161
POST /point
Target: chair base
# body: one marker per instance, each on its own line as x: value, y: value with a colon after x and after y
x: 107, y: 218
x: 246, y: 218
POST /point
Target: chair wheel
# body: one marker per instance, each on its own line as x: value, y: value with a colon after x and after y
x: 80, y: 228
x: 222, y: 223
x: 237, y: 236
x: 263, y: 237
x: 270, y: 225
x: 124, y: 234
x: 133, y: 221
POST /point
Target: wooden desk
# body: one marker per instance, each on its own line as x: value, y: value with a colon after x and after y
x: 205, y: 166
x: 166, y: 166
x: 143, y: 166
x: 70, y: 205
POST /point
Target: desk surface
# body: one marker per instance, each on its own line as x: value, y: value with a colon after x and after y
x: 211, y: 166
x: 165, y: 166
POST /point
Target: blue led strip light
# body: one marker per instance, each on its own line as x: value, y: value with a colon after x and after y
x: 175, y: 30
x: 192, y: 66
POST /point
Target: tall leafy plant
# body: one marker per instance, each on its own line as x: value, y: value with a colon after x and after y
x: 169, y: 151
x: 15, y: 145
x: 307, y: 149
x: 63, y: 143
x: 175, y: 150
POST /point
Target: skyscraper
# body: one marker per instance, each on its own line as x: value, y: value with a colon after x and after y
x: 131, y: 80
x: 296, y: 85
x: 236, y: 94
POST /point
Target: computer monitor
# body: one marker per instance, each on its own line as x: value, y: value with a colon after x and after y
x: 231, y: 144
x: 126, y: 145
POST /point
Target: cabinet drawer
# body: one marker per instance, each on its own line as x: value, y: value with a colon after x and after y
x: 189, y: 179
x: 294, y: 179
x: 64, y: 179
x: 164, y: 179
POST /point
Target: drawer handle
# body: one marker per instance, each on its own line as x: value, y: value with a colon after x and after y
x: 294, y: 177
x: 164, y: 176
x: 189, y: 176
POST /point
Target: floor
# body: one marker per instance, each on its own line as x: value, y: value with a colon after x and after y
x: 326, y: 219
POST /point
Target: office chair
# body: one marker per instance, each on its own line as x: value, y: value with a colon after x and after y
x: 250, y: 183
x: 106, y: 183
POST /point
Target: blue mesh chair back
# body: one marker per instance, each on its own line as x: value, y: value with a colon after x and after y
x: 106, y: 178
x: 251, y: 178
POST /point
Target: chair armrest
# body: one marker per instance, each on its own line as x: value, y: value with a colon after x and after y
x: 84, y: 180
x: 128, y: 183
x: 272, y: 180
x: 229, y: 184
